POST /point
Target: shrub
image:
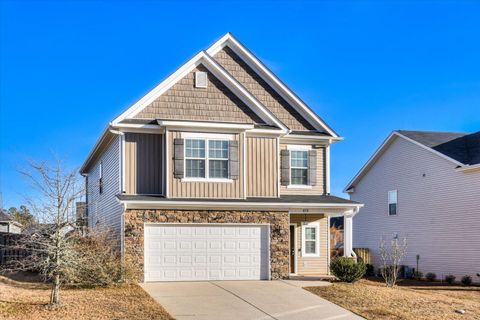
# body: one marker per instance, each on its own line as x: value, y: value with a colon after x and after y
x: 430, y: 276
x: 450, y: 279
x: 370, y: 270
x: 467, y: 280
x: 347, y: 270
x: 417, y: 275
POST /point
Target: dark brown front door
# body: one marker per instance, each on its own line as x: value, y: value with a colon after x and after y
x: 292, y: 249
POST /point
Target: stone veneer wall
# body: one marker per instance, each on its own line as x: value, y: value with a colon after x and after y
x: 134, y: 233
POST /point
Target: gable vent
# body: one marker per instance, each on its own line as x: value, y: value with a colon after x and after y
x: 201, y: 79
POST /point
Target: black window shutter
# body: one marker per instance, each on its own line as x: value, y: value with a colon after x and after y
x: 284, y: 167
x: 178, y: 157
x: 233, y: 160
x: 312, y: 167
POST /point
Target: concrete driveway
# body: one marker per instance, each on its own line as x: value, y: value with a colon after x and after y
x: 234, y: 300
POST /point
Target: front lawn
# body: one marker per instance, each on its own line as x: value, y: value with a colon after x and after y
x: 410, y: 300
x: 21, y: 300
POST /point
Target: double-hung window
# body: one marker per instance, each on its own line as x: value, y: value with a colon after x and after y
x: 392, y: 203
x: 299, y: 167
x: 310, y: 237
x: 206, y: 159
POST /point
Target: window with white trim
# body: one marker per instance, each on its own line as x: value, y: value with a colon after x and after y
x: 299, y: 167
x: 100, y: 177
x: 206, y: 158
x: 392, y: 203
x: 310, y: 239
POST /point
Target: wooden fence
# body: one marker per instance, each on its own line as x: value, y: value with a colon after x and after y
x: 8, y: 252
x: 363, y: 254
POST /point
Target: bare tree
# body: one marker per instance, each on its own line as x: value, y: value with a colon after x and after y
x: 50, y: 243
x: 391, y: 256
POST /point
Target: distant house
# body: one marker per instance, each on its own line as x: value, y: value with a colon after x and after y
x: 8, y: 224
x: 424, y: 186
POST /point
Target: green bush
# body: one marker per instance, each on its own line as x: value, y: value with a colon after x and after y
x: 347, y: 270
x: 450, y: 279
x: 430, y: 276
x: 467, y: 280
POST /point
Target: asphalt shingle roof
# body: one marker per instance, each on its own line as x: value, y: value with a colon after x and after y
x: 463, y: 147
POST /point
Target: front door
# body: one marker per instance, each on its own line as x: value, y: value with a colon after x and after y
x: 292, y: 249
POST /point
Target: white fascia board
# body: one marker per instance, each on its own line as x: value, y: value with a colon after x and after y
x: 94, y: 149
x: 159, y: 89
x: 287, y: 94
x: 139, y: 204
x: 202, y: 125
x: 264, y: 133
x: 383, y: 146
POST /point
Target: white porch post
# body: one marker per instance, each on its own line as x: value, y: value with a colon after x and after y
x: 348, y: 234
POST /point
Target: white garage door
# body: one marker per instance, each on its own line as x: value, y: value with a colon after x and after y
x: 188, y: 252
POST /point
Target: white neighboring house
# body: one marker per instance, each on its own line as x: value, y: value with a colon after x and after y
x: 8, y: 224
x: 424, y: 186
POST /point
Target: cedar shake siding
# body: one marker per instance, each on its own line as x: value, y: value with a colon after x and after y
x: 319, y: 186
x: 186, y: 102
x: 144, y: 163
x: 261, y: 90
x: 200, y: 189
x: 262, y: 167
x: 438, y: 210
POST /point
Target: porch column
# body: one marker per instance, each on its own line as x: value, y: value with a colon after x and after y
x: 348, y: 234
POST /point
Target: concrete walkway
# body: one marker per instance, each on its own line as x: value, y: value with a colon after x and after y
x: 247, y: 300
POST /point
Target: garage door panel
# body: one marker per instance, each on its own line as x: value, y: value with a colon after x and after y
x: 206, y: 252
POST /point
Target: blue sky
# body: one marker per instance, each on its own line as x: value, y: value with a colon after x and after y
x: 367, y: 68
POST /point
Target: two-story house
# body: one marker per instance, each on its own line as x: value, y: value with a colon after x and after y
x: 423, y: 186
x: 219, y: 173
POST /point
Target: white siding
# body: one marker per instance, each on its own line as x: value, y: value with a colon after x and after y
x: 104, y: 209
x: 439, y: 213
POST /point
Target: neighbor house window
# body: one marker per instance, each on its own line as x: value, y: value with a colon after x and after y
x: 310, y: 237
x: 206, y: 158
x: 392, y: 203
x: 299, y: 167
x: 100, y: 177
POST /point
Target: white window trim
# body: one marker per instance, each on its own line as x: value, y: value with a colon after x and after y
x: 389, y: 203
x: 207, y: 138
x: 299, y: 148
x: 315, y: 225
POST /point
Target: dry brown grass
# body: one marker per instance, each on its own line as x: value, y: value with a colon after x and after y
x: 21, y: 300
x: 410, y: 300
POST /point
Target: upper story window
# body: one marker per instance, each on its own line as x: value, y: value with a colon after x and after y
x: 299, y: 167
x: 206, y: 158
x: 392, y: 202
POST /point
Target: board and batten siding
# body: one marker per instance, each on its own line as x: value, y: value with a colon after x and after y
x: 438, y: 210
x: 262, y: 167
x: 311, y: 266
x: 104, y: 209
x: 200, y: 189
x: 144, y: 163
x: 319, y: 187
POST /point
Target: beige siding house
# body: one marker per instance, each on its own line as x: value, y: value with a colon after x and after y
x: 424, y: 186
x: 219, y: 173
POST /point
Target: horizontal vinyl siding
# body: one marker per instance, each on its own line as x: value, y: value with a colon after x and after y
x: 319, y: 188
x: 104, y: 209
x: 219, y: 190
x: 144, y: 160
x: 438, y: 213
x: 262, y: 167
x: 311, y: 266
